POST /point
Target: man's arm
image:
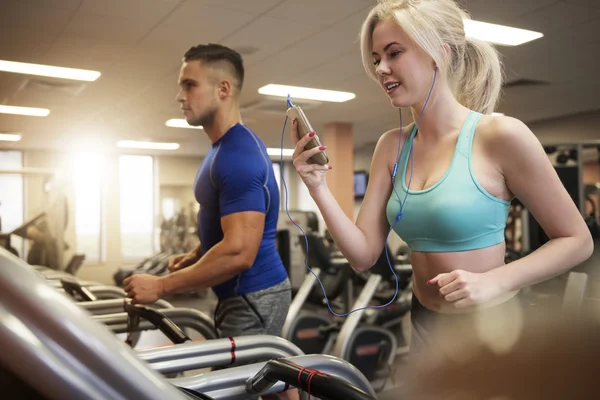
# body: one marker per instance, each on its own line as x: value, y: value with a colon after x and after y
x: 242, y: 234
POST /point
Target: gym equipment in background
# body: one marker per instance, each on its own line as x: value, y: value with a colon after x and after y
x: 309, y: 222
x: 46, y: 229
x: 371, y: 347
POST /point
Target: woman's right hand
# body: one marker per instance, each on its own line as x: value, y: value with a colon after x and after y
x: 313, y: 175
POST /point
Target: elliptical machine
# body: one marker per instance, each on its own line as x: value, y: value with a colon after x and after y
x: 370, y: 348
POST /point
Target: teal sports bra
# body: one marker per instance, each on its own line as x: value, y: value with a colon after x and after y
x: 456, y: 213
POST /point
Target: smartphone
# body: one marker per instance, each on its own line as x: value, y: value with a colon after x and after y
x: 304, y: 128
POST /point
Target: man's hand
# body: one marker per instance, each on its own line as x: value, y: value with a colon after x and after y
x: 181, y: 261
x: 143, y: 289
x: 463, y: 288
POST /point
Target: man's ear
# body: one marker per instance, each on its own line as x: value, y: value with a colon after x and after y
x: 225, y: 89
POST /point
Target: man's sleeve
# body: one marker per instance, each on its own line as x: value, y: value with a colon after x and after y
x: 242, y: 185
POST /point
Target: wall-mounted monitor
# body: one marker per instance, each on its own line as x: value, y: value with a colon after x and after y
x: 360, y: 184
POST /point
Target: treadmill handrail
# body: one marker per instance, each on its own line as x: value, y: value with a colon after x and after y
x: 114, y: 306
x: 158, y: 319
x: 72, y: 287
x: 218, y: 352
x: 232, y: 382
x: 57, y: 348
x: 182, y: 317
x: 323, y: 386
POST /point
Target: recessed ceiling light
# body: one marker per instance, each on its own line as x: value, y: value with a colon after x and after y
x: 132, y: 144
x: 246, y: 50
x: 49, y: 70
x: 10, y: 137
x: 499, y: 34
x: 30, y: 111
x: 180, y: 123
x: 306, y: 93
x: 497, y: 114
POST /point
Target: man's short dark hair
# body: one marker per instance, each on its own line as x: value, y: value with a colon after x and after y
x: 215, y: 54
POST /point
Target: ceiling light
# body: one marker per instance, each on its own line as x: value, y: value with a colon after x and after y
x: 48, y: 70
x: 180, y: 123
x: 274, y: 151
x: 497, y: 114
x: 132, y: 144
x: 499, y: 34
x: 10, y: 137
x: 306, y: 93
x: 34, y: 112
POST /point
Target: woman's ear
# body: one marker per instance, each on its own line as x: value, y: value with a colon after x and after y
x: 447, y: 52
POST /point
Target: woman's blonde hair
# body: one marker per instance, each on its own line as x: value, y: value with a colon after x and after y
x: 472, y: 66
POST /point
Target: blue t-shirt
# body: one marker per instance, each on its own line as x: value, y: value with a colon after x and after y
x: 237, y: 175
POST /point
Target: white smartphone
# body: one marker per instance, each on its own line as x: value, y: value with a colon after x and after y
x: 304, y: 128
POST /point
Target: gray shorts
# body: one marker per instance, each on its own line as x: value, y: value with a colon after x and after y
x: 258, y: 313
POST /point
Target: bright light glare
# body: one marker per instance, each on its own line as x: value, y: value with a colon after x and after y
x: 306, y: 93
x: 499, y: 34
x: 49, y: 70
x: 10, y: 137
x: 180, y: 123
x: 132, y: 144
x: 29, y: 111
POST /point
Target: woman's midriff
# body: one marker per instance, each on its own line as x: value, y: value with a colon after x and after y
x: 428, y: 265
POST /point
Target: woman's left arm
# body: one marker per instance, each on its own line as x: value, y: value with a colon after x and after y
x: 533, y: 180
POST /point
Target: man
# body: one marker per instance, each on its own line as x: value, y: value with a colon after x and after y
x: 239, y: 206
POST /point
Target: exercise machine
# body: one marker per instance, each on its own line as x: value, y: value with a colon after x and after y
x: 55, y: 350
x: 371, y: 348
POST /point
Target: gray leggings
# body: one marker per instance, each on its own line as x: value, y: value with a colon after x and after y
x: 258, y: 313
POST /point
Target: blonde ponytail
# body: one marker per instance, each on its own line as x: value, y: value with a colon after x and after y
x: 481, y: 81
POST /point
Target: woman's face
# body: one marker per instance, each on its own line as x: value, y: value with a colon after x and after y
x: 405, y: 72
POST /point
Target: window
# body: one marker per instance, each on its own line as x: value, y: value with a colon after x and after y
x: 277, y: 170
x: 11, y: 197
x: 88, y: 179
x: 136, y: 175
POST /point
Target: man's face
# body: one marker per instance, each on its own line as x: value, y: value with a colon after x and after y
x: 198, y: 93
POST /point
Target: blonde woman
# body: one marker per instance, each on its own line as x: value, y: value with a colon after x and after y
x: 444, y: 184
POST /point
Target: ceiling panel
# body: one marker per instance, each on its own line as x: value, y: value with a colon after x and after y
x: 77, y: 52
x: 557, y: 17
x: 138, y: 49
x: 584, y: 33
x: 31, y: 46
x: 505, y: 11
x: 107, y: 28
x: 140, y: 10
x: 590, y: 3
x: 254, y: 7
x: 334, y: 72
x: 328, y: 11
x: 316, y: 50
x: 263, y: 41
x: 44, y: 20
x: 61, y: 4
x: 194, y: 23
